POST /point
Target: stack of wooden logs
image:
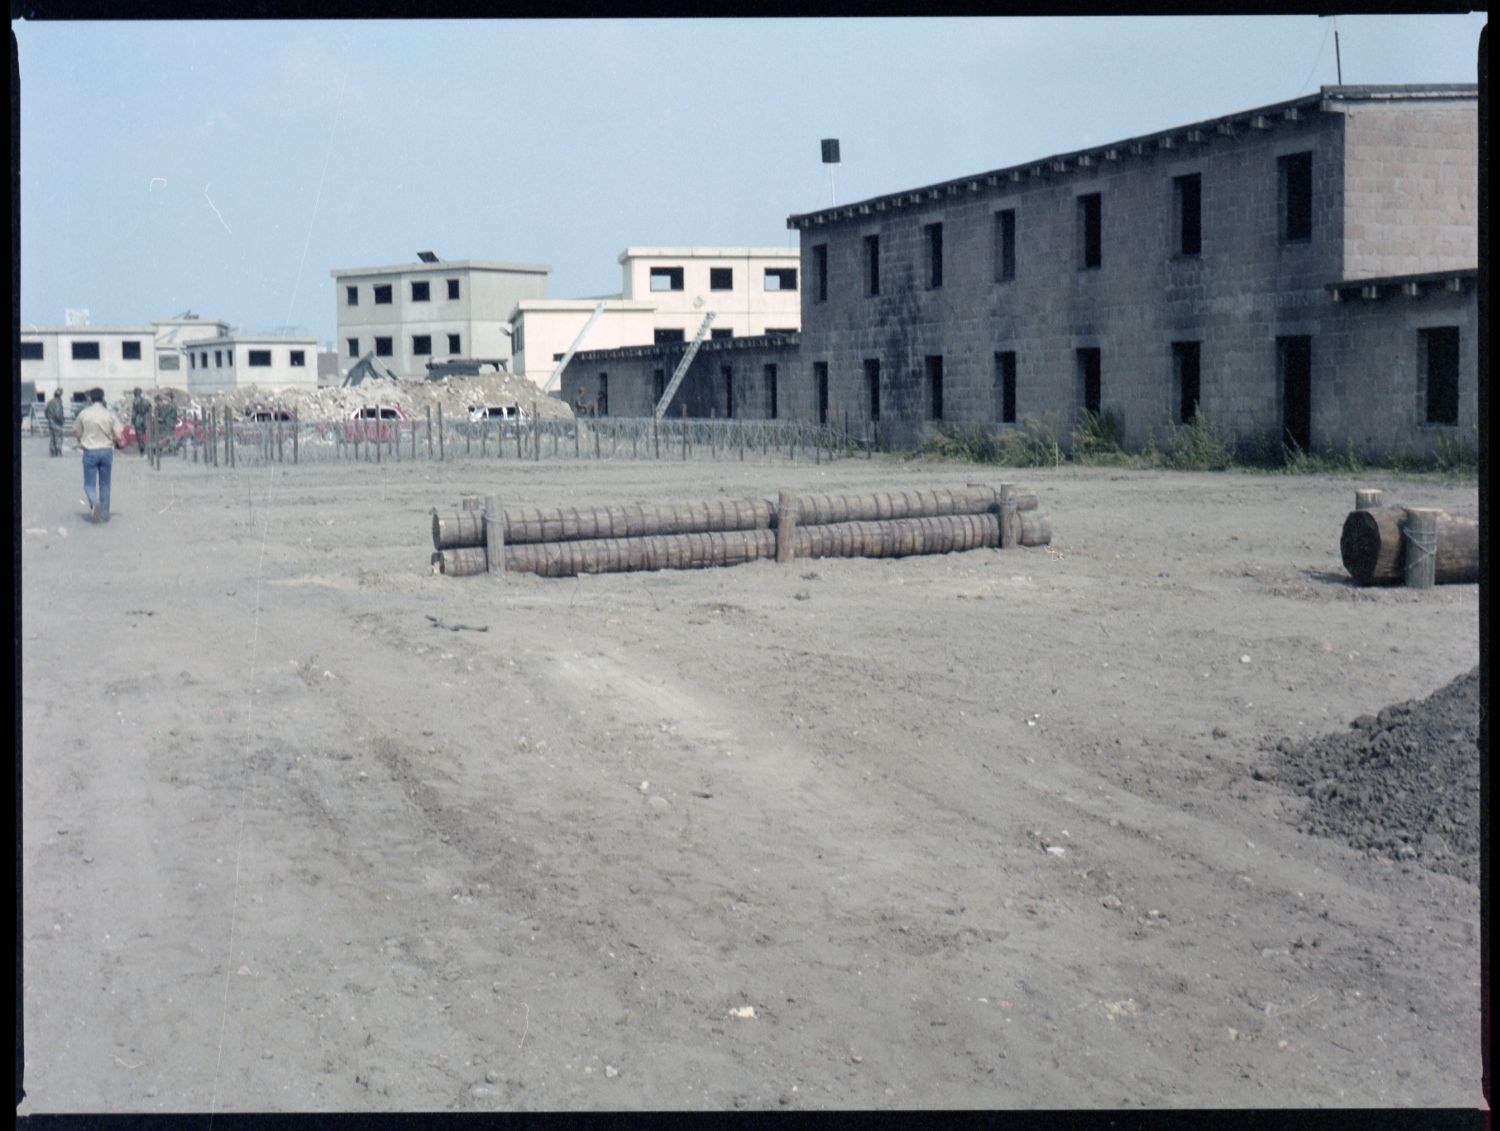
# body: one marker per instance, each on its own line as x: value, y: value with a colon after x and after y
x: 564, y: 542
x: 1416, y: 546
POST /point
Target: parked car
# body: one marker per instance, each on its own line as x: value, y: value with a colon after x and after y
x: 479, y: 412
x: 376, y: 422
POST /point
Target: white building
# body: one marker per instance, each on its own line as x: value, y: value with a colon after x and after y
x: 267, y: 361
x: 116, y: 359
x: 665, y: 294
x: 413, y: 313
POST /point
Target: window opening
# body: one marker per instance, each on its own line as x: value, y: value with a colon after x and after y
x: 1090, y: 232
x: 721, y: 278
x: 1005, y: 382
x: 1296, y: 187
x: 1005, y: 245
x: 666, y: 278
x: 1439, y: 350
x: 1187, y: 204
x: 781, y: 278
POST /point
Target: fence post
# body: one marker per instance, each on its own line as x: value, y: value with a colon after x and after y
x: 595, y: 430
x: 429, y: 431
x: 1421, y: 547
x: 296, y: 433
x: 786, y: 527
x: 494, y: 536
x: 442, y: 455
x: 655, y: 436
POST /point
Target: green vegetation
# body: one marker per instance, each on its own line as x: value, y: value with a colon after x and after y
x: 1201, y: 445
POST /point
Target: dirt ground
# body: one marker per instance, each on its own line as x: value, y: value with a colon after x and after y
x: 984, y: 830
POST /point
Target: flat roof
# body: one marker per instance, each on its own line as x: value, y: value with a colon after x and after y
x: 1228, y: 125
x: 86, y: 330
x: 446, y: 265
x: 674, y: 349
x: 248, y: 339
x: 708, y: 253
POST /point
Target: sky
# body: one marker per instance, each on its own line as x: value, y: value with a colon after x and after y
x: 227, y: 167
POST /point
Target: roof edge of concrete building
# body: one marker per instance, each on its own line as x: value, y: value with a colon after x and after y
x: 1256, y: 118
x: 444, y: 265
x: 705, y: 253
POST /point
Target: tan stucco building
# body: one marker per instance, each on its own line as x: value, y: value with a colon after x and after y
x: 665, y: 294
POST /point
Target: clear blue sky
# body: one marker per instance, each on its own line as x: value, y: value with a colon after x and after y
x: 228, y: 167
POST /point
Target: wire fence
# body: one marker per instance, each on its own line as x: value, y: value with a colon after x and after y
x: 233, y: 443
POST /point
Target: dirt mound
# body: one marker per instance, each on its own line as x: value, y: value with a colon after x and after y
x: 1404, y: 783
x: 455, y: 394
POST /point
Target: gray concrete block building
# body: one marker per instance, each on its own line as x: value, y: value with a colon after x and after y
x: 1305, y: 271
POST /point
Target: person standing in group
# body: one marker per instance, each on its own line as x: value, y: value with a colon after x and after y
x: 55, y: 417
x: 140, y: 412
x: 166, y: 423
x: 99, y: 433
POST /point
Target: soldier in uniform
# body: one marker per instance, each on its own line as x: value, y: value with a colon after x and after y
x: 55, y: 416
x: 166, y: 423
x: 140, y: 412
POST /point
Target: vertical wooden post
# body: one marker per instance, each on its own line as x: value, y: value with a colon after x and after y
x: 655, y: 436
x: 595, y: 430
x: 1010, y: 518
x: 1367, y: 498
x: 429, y: 431
x: 296, y: 433
x: 577, y: 436
x: 379, y: 427
x: 494, y: 536
x: 786, y: 527
x: 484, y: 439
x: 536, y: 428
x: 442, y: 454
x: 1420, y: 534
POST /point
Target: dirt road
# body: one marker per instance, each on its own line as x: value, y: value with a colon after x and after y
x: 979, y: 830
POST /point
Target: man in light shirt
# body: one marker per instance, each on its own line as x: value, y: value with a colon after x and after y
x: 99, y: 433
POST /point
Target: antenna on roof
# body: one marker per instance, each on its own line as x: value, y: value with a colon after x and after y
x: 427, y: 257
x: 831, y: 158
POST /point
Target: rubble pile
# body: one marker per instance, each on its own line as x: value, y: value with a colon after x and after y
x: 1403, y: 784
x: 332, y: 402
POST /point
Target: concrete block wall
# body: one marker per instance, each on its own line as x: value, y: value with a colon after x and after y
x: 1411, y: 188
x: 1373, y: 387
x: 630, y: 378
x: 1245, y: 288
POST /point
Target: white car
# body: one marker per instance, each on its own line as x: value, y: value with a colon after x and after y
x: 507, y: 412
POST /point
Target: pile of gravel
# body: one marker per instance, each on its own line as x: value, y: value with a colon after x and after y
x: 1404, y: 783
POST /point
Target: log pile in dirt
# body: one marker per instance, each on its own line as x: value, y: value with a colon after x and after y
x: 694, y: 535
x: 1403, y: 784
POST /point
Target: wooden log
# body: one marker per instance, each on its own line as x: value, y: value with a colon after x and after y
x: 901, y: 537
x: 454, y: 531
x: 636, y: 520
x: 815, y: 509
x: 464, y: 561
x: 1367, y: 498
x: 1420, y: 557
x: 786, y: 527
x: 616, y: 555
x: 1036, y: 529
x: 494, y: 535
x: 1372, y: 550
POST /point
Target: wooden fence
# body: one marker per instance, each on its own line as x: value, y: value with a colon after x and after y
x: 219, y: 439
x: 565, y: 542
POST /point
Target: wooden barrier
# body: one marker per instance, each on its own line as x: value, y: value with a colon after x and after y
x: 1372, y: 546
x: 563, y: 542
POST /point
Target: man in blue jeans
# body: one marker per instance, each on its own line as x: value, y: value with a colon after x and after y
x: 99, y: 433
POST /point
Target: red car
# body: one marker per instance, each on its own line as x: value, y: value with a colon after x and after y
x: 187, y: 431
